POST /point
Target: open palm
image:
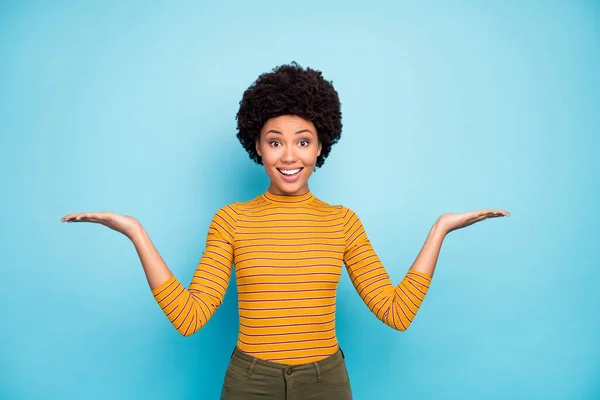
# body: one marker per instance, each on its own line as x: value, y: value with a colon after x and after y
x: 121, y: 223
x: 452, y: 221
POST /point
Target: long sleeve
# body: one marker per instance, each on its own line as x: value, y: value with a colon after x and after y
x: 190, y: 309
x: 396, y: 306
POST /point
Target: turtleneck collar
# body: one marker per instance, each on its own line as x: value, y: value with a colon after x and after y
x: 293, y: 199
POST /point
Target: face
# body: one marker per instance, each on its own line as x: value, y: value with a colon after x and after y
x: 289, y: 147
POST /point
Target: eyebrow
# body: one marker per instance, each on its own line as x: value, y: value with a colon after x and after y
x: 302, y: 131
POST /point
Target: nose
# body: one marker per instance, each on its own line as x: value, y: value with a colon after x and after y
x: 289, y: 155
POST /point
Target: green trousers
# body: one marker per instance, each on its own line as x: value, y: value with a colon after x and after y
x: 250, y: 378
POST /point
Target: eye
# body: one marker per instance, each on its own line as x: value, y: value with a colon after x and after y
x: 304, y: 143
x: 274, y: 143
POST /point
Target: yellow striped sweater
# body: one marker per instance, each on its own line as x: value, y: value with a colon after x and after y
x: 288, y: 253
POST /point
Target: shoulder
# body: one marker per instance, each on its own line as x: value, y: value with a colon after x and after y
x: 229, y: 211
x: 245, y: 207
x: 343, y: 212
x: 241, y: 208
x: 346, y: 218
x: 225, y: 219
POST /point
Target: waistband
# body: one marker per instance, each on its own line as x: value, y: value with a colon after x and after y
x: 254, y: 364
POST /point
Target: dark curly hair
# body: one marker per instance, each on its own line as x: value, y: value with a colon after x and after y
x: 290, y: 90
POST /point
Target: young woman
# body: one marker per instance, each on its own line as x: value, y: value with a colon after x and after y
x: 288, y: 248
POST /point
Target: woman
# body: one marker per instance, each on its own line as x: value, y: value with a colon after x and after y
x: 288, y: 248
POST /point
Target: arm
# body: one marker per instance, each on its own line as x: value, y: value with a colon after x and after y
x: 427, y: 259
x: 187, y: 309
x: 396, y: 306
x: 449, y: 222
x: 190, y: 309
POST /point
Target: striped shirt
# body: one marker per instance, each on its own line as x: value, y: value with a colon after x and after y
x: 288, y: 253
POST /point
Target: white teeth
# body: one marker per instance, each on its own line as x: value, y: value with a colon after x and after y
x: 290, y: 171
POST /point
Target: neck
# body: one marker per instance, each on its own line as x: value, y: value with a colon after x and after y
x: 278, y: 197
x: 275, y: 190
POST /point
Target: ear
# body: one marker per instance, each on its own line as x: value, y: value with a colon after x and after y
x: 319, y: 151
x: 257, y: 143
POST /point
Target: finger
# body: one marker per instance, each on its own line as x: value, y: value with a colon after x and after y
x: 481, y: 215
x: 85, y: 217
x: 499, y: 211
x: 81, y: 217
x: 493, y: 213
x: 480, y: 218
x: 488, y: 215
x: 94, y: 217
x: 88, y: 217
x: 69, y: 217
x: 473, y: 215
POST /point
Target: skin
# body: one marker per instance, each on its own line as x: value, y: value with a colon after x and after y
x: 288, y: 142
x: 285, y: 149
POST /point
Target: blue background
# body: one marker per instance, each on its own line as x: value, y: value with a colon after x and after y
x: 130, y: 107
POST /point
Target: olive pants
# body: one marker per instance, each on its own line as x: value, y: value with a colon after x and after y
x: 250, y: 378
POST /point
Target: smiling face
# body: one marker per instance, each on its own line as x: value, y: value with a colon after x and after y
x: 289, y: 147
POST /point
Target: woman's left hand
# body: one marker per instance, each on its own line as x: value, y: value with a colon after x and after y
x: 450, y: 221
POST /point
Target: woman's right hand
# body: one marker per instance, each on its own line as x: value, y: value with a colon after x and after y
x: 124, y: 224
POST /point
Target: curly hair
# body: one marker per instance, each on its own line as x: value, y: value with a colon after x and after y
x: 290, y: 90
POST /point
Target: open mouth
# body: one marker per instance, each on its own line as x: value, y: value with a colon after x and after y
x: 289, y: 172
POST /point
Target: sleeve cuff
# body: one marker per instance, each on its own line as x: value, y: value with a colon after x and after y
x: 421, y: 274
x: 163, y: 285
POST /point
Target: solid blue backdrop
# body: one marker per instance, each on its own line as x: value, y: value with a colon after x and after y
x: 130, y: 107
